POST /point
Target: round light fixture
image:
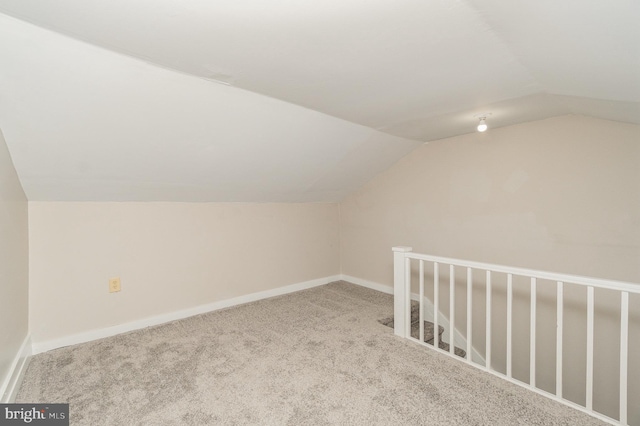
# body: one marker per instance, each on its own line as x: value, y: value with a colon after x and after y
x: 482, y: 126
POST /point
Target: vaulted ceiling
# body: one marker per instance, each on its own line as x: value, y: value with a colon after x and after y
x: 287, y: 100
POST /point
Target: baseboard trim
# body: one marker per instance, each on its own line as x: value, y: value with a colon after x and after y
x: 368, y: 284
x: 39, y: 347
x: 11, y: 384
x: 459, y: 339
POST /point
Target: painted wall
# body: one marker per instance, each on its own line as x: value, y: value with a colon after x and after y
x: 169, y: 256
x: 14, y: 265
x: 561, y: 194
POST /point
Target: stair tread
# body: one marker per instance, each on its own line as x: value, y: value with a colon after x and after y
x: 415, y: 319
x: 429, y: 337
x: 428, y: 330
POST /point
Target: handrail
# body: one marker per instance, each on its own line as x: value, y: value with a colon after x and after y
x: 545, y: 275
x: 402, y: 320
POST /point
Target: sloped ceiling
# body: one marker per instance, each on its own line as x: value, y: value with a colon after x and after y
x: 165, y: 100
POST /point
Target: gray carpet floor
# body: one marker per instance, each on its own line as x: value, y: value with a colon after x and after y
x: 315, y: 357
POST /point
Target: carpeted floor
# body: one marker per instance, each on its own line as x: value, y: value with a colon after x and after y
x: 314, y: 357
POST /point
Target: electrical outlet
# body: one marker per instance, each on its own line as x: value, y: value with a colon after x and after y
x: 114, y: 285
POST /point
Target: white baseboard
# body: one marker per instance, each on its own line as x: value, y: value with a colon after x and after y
x: 459, y: 339
x: 11, y: 383
x: 368, y: 284
x: 39, y: 347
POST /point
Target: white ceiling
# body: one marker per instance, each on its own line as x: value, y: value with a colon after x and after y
x: 111, y: 127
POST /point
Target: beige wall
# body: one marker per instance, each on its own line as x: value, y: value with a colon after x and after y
x: 561, y: 194
x: 169, y: 256
x: 14, y: 267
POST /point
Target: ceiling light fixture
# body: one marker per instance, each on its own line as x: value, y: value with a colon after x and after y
x: 482, y: 126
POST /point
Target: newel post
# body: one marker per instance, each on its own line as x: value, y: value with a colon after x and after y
x: 401, y: 292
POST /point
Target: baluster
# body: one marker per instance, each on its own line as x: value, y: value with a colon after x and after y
x: 532, y: 336
x: 624, y: 353
x: 488, y: 321
x: 452, y: 308
x: 407, y: 266
x: 590, y: 309
x: 420, y: 303
x: 559, y: 332
x: 469, y: 313
x: 436, y: 305
x: 509, y: 323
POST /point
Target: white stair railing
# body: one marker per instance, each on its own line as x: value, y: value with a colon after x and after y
x: 403, y: 257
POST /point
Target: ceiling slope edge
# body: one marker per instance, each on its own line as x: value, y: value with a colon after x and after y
x: 115, y: 128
